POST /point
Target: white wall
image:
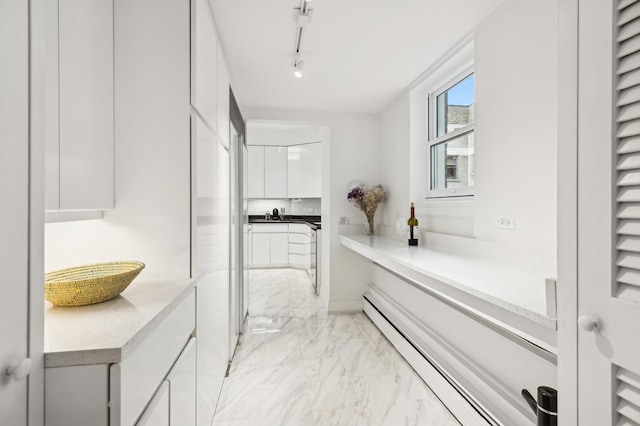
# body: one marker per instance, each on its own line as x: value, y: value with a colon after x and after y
x: 260, y: 133
x: 516, y: 130
x: 516, y: 124
x: 151, y: 219
x: 353, y: 152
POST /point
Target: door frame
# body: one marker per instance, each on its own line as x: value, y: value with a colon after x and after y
x: 567, y: 215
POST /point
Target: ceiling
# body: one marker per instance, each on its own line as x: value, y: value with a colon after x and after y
x: 358, y: 54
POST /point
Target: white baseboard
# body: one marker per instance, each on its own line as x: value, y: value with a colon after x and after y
x: 345, y: 306
x: 449, y: 396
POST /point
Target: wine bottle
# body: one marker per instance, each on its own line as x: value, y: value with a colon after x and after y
x: 412, y: 222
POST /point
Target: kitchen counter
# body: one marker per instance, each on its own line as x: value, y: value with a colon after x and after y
x: 509, y: 296
x: 107, y: 332
x: 314, y: 222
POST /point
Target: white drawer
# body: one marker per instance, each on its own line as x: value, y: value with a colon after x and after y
x: 299, y: 228
x: 299, y: 249
x: 267, y: 228
x: 299, y: 238
x: 135, y: 379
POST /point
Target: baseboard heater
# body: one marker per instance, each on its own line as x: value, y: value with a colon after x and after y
x: 461, y: 404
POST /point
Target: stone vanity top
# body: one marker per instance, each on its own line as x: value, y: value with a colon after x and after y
x: 107, y: 332
x: 513, y: 297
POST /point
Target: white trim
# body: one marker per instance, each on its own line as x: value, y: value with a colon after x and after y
x: 567, y: 292
x: 450, y: 397
x: 458, y: 61
x: 71, y: 216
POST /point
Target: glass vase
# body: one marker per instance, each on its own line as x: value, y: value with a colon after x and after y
x: 369, y: 226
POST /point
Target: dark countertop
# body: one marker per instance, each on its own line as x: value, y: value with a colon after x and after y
x: 314, y: 222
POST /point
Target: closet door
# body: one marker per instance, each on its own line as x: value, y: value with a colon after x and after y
x: 609, y: 213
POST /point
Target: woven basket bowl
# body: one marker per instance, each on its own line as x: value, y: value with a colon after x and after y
x: 89, y: 284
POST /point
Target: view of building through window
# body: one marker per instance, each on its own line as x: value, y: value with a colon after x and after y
x: 452, y: 153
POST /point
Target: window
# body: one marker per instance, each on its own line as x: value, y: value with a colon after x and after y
x: 451, y: 141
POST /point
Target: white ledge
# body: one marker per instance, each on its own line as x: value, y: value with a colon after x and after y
x: 107, y: 332
x: 512, y: 297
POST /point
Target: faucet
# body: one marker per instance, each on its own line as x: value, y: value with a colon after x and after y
x: 266, y: 216
x: 282, y: 214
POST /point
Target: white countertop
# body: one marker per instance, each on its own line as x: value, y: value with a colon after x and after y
x: 107, y: 332
x: 472, y: 281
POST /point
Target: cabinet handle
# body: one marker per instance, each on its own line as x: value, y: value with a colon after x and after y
x: 588, y: 322
x: 19, y: 371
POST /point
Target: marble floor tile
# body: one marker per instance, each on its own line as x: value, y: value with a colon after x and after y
x: 298, y: 365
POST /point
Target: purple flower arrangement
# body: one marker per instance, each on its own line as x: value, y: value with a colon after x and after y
x: 368, y: 201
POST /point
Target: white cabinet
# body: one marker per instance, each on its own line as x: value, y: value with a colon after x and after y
x: 275, y: 172
x: 157, y: 413
x: 267, y: 171
x: 222, y: 77
x: 270, y: 245
x: 182, y: 387
x: 256, y: 171
x: 79, y: 112
x: 155, y: 378
x: 204, y: 46
x: 304, y: 170
x: 299, y: 245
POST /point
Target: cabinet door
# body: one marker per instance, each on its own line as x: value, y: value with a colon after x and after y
x: 157, y: 412
x: 256, y: 172
x: 304, y: 170
x: 222, y: 77
x: 182, y: 388
x: 86, y: 104
x: 275, y: 172
x: 261, y: 249
x: 279, y: 249
x: 204, y: 44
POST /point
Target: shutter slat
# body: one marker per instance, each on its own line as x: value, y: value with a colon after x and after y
x: 628, y: 211
x: 629, y: 276
x: 628, y: 128
x: 628, y: 14
x: 629, y: 227
x: 628, y: 377
x: 628, y: 162
x: 629, y: 46
x: 628, y: 194
x: 624, y: 3
x: 628, y: 63
x: 629, y: 30
x: 629, y: 112
x: 629, y: 178
x: 628, y: 243
x: 628, y: 145
x: 630, y: 394
x: 628, y: 96
x: 628, y: 79
x: 628, y: 260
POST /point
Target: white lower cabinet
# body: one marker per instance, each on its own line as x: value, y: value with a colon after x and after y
x: 299, y: 245
x: 157, y: 412
x: 153, y: 384
x: 270, y: 245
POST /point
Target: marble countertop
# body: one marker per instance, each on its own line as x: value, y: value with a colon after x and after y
x: 502, y: 291
x: 107, y: 332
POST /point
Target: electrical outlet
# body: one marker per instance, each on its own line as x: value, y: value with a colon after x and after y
x: 309, y: 209
x: 506, y: 222
x: 344, y: 220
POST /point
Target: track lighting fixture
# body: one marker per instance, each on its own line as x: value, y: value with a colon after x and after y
x: 302, y: 17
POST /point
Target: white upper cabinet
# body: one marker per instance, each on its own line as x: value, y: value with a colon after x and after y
x: 222, y: 75
x: 304, y: 170
x: 275, y: 172
x: 256, y: 171
x: 204, y: 45
x: 81, y: 153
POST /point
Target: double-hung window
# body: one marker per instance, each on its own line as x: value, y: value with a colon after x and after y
x: 451, y: 138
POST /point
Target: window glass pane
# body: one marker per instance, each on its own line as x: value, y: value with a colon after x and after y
x: 452, y: 163
x: 454, y: 108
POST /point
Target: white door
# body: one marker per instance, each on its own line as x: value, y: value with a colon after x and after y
x: 608, y: 213
x: 21, y: 263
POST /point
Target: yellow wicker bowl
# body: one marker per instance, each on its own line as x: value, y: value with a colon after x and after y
x: 89, y: 284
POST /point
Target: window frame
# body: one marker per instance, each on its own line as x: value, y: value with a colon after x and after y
x: 432, y: 139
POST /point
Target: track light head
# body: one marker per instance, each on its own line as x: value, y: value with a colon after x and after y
x: 297, y: 67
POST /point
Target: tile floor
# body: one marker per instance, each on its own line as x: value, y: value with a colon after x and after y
x: 297, y: 365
